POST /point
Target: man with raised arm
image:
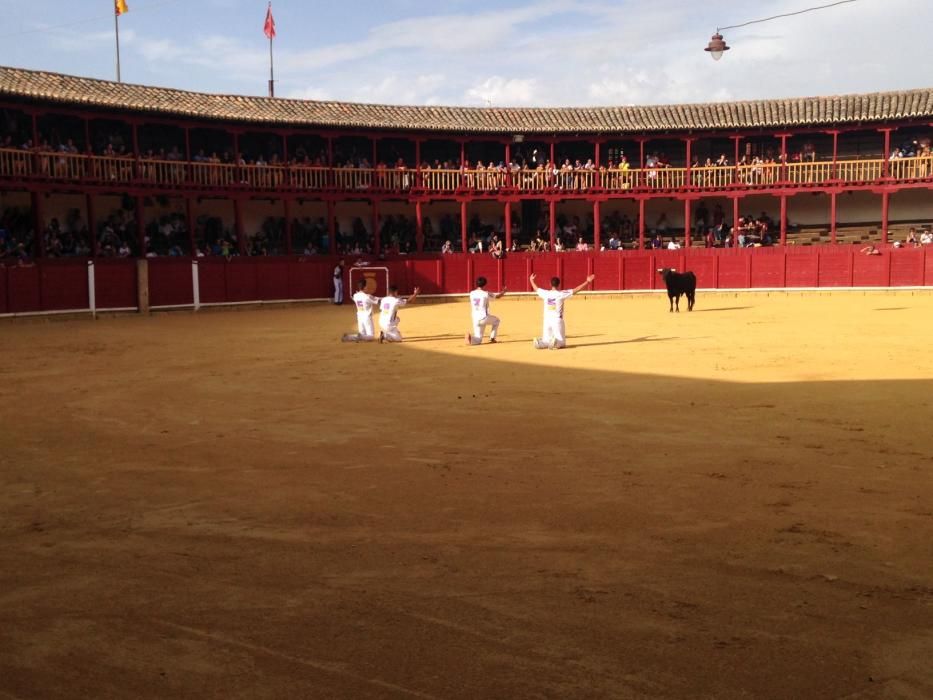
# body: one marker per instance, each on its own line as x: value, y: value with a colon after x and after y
x: 554, y: 336
x: 388, y: 314
x: 479, y: 308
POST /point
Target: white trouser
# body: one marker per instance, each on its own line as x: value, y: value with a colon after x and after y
x: 553, y: 330
x: 479, y: 327
x: 364, y: 328
x: 338, y: 290
x: 391, y: 332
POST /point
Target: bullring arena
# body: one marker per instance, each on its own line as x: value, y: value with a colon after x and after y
x: 205, y: 494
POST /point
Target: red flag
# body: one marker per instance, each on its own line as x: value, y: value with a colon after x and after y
x: 269, y: 27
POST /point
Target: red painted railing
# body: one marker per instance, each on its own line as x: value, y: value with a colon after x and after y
x: 66, y: 284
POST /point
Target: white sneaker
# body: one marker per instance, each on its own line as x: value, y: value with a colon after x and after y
x: 553, y: 344
x: 534, y: 343
x: 345, y: 338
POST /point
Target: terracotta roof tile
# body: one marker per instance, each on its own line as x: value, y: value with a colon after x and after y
x: 804, y: 111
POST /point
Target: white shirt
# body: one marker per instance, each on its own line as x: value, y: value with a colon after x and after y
x: 388, y: 310
x: 673, y: 245
x: 554, y: 301
x: 926, y: 238
x: 479, y: 304
x: 365, y: 303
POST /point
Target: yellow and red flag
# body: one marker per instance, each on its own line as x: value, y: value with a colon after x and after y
x: 269, y: 27
x: 120, y: 7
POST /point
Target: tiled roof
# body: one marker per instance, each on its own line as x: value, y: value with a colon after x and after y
x: 798, y: 112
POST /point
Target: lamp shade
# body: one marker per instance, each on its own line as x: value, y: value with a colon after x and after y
x: 717, y: 46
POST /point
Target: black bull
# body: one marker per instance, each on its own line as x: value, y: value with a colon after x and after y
x: 678, y: 284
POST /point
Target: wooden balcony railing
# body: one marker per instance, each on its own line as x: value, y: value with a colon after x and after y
x: 17, y: 163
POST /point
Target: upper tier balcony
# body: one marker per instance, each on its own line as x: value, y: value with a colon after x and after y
x: 175, y: 175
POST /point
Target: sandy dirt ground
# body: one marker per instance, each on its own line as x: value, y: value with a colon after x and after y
x: 733, y: 503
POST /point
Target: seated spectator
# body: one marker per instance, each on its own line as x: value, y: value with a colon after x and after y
x: 447, y: 248
x: 673, y: 245
x: 870, y: 250
x: 582, y: 245
x: 911, y: 238
x: 926, y: 238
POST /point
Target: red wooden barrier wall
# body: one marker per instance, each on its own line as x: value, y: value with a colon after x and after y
x: 61, y: 284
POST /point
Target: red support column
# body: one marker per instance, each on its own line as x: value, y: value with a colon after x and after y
x: 462, y: 153
x: 735, y: 176
x: 552, y: 222
x: 508, y: 226
x: 687, y: 229
x: 91, y: 223
x: 141, y: 225
x: 331, y: 227
x: 236, y: 158
x: 886, y: 164
x: 598, y: 175
x: 331, y: 178
x: 783, y: 157
x: 418, y: 182
x: 287, y: 204
x: 419, y: 228
x: 508, y: 164
x: 885, y: 202
x: 688, y: 180
x: 136, y: 169
x: 641, y: 154
x: 37, y: 223
x: 735, y: 221
x: 832, y: 217
x: 35, y: 156
x: 641, y: 224
x: 377, y: 234
x: 783, y: 220
x: 835, y: 155
x: 238, y: 225
x: 597, y: 227
x: 464, y: 241
x: 553, y: 149
x: 189, y: 220
x: 376, y: 153
x: 187, y: 167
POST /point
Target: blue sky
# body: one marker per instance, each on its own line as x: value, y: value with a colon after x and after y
x: 510, y: 52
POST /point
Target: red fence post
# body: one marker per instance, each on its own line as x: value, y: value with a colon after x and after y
x: 419, y: 228
x: 641, y: 224
x: 464, y: 243
x: 832, y: 217
x: 507, y: 218
x: 783, y: 220
x: 687, y: 231
x: 597, y: 233
x: 287, y: 203
x: 331, y: 227
x: 885, y: 197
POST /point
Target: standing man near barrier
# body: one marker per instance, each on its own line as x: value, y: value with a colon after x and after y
x: 364, y: 303
x: 338, y: 282
x: 388, y: 315
x: 554, y: 336
x: 479, y: 308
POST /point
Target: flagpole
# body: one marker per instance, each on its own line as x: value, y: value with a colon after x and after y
x: 116, y: 26
x: 271, y: 72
